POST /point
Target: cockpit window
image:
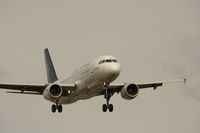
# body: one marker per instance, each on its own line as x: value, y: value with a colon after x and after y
x: 114, y: 60
x: 108, y: 60
x: 100, y: 62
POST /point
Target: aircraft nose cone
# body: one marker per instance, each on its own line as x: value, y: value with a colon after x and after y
x: 112, y: 71
x: 115, y: 70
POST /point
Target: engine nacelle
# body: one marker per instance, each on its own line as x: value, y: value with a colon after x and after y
x: 53, y: 91
x: 129, y: 91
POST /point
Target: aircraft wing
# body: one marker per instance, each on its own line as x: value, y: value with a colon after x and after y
x: 30, y: 88
x: 117, y: 87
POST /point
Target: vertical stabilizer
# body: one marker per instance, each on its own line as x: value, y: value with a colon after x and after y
x: 51, y: 73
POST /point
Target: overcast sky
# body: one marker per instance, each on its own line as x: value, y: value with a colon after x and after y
x: 153, y: 40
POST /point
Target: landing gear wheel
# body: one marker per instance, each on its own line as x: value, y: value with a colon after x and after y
x: 104, y: 107
x: 110, y: 107
x: 53, y: 108
x: 107, y: 95
x: 59, y: 108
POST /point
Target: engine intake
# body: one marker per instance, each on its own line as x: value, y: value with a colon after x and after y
x: 129, y: 91
x: 55, y: 91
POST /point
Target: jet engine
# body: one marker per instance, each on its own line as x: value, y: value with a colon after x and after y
x: 53, y: 91
x: 129, y: 91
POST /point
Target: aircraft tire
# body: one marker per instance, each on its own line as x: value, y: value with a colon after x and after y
x: 104, y: 107
x: 53, y: 108
x: 60, y: 108
x: 110, y: 107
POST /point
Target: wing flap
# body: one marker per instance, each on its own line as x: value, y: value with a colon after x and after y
x: 31, y: 93
x: 149, y: 85
x: 23, y: 87
x: 158, y: 84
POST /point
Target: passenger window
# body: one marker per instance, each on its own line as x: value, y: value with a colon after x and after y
x: 100, y: 62
x: 103, y: 61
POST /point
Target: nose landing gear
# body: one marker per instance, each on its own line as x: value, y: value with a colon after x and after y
x: 107, y: 95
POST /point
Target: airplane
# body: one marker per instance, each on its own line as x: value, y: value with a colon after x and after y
x: 92, y: 79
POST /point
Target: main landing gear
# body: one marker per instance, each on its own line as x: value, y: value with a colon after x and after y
x: 107, y: 96
x: 56, y: 106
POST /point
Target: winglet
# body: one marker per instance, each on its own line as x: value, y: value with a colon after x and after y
x: 185, y: 80
x: 51, y: 73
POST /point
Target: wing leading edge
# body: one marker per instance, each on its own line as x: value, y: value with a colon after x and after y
x: 116, y: 88
x: 31, y: 88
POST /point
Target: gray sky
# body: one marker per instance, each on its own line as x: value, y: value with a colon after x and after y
x: 153, y: 40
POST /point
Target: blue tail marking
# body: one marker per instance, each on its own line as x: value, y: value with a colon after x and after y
x: 51, y: 73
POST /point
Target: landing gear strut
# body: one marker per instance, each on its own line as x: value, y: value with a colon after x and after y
x: 56, y: 106
x: 107, y: 96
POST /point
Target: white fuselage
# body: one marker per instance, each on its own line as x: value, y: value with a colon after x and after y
x: 90, y: 79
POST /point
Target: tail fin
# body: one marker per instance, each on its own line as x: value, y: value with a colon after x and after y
x: 51, y: 73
